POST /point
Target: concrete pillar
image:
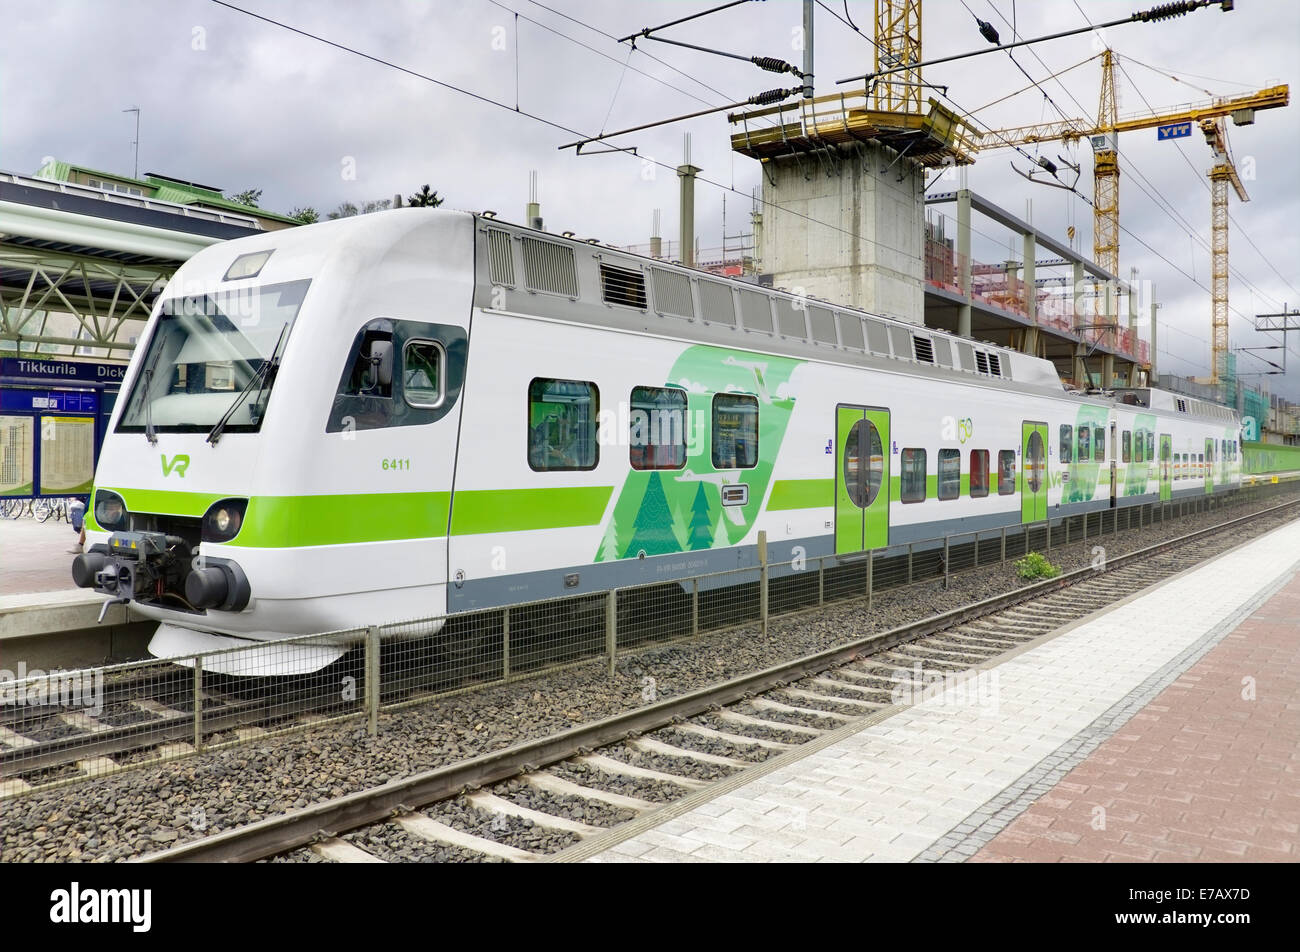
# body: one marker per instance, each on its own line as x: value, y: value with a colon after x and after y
x: 1080, y: 372
x: 807, y: 49
x: 1078, y: 295
x: 1154, y: 374
x: 1107, y: 371
x: 1132, y: 299
x: 1031, y: 297
x: 687, y: 174
x: 963, y: 262
x: 874, y: 257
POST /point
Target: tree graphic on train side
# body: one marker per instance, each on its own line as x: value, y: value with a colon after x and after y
x: 609, y: 544
x: 654, y: 533
x: 701, y: 525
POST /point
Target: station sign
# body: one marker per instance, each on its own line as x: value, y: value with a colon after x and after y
x: 80, y: 371
x: 38, y: 401
x: 1175, y: 130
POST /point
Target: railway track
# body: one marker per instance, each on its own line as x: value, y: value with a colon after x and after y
x: 558, y: 797
x: 147, y: 717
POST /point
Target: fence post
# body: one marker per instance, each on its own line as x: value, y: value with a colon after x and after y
x: 1067, y: 529
x: 871, y: 574
x: 946, y: 539
x: 762, y: 580
x: 821, y: 581
x: 505, y: 644
x: 611, y: 626
x: 695, y: 606
x: 198, y: 703
x: 372, y: 680
x: 1049, y: 533
x: 1004, y: 545
x: 909, y: 562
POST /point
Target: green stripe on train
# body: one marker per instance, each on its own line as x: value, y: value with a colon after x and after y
x: 801, y: 494
x: 819, y: 493
x: 291, y: 521
x: 512, y: 510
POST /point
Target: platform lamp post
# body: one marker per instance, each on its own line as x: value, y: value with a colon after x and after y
x: 135, y: 170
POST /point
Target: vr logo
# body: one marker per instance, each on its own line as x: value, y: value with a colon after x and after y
x: 179, y: 464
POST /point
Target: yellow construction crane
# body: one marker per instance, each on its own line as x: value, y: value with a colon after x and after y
x: 1174, y: 123
x: 1223, y: 172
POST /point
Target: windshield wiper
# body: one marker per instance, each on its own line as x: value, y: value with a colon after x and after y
x: 149, y: 433
x: 267, y: 365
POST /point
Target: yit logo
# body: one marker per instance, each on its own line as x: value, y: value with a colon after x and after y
x: 179, y: 464
x: 74, y: 905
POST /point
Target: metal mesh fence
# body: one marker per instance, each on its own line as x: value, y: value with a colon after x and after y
x: 57, y: 726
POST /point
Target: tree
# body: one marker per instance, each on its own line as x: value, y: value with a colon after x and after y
x: 249, y: 197
x: 348, y: 209
x: 608, y: 551
x: 424, y: 199
x: 308, y: 215
x: 653, y: 524
x: 701, y: 537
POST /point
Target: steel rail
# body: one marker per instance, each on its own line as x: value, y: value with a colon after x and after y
x: 279, y: 834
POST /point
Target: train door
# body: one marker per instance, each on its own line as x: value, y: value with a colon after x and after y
x: 1208, y: 468
x: 1166, y: 466
x: 1033, y: 472
x: 861, y: 479
x: 1114, y: 464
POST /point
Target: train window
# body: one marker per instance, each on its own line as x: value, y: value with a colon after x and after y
x: 562, y: 418
x: 911, y: 483
x: 949, y: 474
x: 1139, y: 446
x: 657, y: 428
x: 979, y: 473
x: 422, y: 363
x: 1006, y: 472
x: 735, y: 431
x: 1067, y: 443
x: 1127, y: 443
x: 1035, y: 463
x: 1099, y: 443
x: 864, y: 463
x: 1151, y: 445
x: 1085, y: 444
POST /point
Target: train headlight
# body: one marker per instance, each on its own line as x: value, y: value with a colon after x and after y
x: 224, y: 519
x: 110, y: 510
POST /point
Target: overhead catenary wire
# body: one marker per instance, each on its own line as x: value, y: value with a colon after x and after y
x: 1163, y: 12
x: 1158, y: 198
x: 1088, y: 200
x: 487, y: 100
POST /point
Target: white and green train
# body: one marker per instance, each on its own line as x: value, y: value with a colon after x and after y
x: 419, y: 413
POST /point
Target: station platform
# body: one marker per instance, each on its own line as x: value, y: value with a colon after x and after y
x: 1163, y: 728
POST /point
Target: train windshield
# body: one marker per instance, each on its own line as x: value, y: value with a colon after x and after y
x: 206, y: 350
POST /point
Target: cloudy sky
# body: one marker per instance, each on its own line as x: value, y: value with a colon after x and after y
x: 237, y: 102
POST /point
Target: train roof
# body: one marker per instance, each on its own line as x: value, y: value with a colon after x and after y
x: 563, y: 278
